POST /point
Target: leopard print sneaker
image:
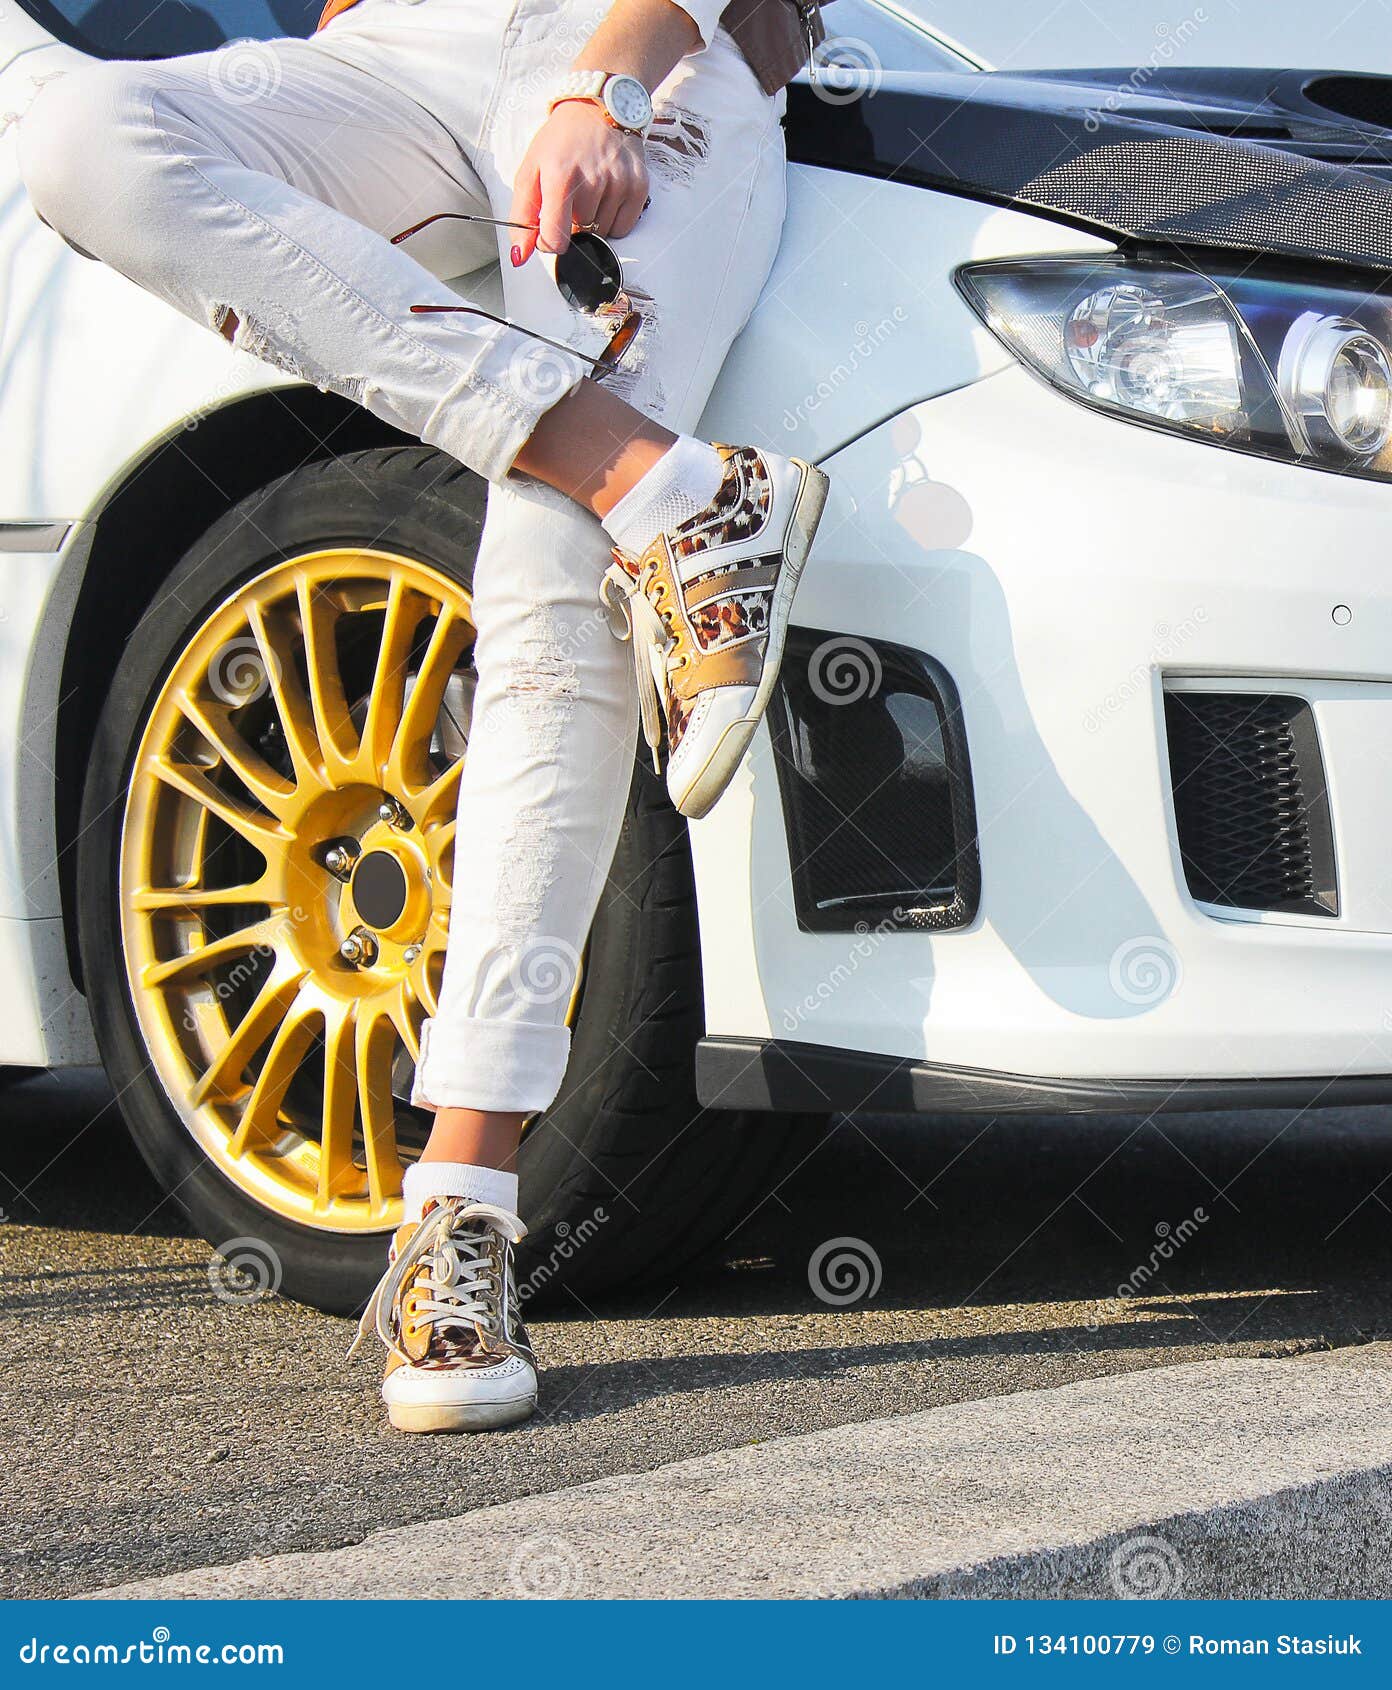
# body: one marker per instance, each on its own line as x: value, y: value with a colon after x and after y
x: 447, y: 1310
x: 706, y: 608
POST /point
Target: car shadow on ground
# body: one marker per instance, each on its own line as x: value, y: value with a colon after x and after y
x: 1255, y: 1227
x: 900, y: 1266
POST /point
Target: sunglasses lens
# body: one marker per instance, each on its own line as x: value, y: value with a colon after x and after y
x: 588, y: 273
x: 619, y: 342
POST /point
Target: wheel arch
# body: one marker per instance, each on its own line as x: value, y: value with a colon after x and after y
x: 143, y: 521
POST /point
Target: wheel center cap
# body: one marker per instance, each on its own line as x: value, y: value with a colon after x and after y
x: 379, y: 889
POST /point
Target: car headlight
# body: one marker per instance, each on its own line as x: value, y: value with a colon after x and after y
x: 1291, y: 370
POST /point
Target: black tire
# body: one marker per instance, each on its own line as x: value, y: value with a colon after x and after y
x: 627, y: 1177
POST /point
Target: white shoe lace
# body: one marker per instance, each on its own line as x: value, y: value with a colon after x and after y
x: 647, y: 635
x: 457, y: 1278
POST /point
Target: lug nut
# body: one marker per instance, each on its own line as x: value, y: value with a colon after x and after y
x: 393, y: 814
x: 411, y: 955
x: 359, y: 949
x: 339, y: 860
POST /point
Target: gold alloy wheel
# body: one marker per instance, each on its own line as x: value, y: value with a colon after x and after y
x: 286, y: 859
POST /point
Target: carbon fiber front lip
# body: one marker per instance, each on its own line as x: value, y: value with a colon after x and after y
x: 787, y: 1076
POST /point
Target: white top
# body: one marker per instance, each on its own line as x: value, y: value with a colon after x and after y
x: 705, y: 14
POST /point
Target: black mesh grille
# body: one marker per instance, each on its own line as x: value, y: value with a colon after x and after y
x: 872, y: 768
x: 1250, y: 801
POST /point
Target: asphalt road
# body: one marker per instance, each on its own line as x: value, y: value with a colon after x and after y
x: 148, y: 1425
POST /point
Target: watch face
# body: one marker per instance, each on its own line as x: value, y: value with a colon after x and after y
x: 628, y: 102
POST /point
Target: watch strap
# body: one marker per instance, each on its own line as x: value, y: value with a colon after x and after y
x: 580, y: 85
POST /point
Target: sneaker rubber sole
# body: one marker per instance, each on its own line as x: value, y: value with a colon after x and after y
x: 459, y: 1417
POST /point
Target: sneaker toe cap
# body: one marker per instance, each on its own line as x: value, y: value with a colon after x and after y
x: 715, y: 712
x: 513, y: 1380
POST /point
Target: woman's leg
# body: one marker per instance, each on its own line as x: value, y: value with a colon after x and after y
x: 269, y: 218
x: 272, y: 217
x: 548, y: 771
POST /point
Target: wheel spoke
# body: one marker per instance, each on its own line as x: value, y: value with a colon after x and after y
x: 259, y: 1125
x: 408, y: 764
x: 258, y: 936
x: 333, y: 725
x: 336, y: 1170
x: 440, y: 799
x: 154, y: 899
x: 386, y: 701
x: 442, y: 842
x: 214, y: 723
x: 223, y: 1076
x: 260, y: 831
x: 404, y: 1016
x: 376, y: 1048
x: 423, y: 986
x: 293, y: 707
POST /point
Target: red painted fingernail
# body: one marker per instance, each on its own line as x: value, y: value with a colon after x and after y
x: 516, y: 257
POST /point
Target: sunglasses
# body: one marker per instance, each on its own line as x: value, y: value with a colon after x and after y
x: 588, y: 276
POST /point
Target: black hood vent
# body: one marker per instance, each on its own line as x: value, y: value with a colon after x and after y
x: 1294, y: 164
x: 1366, y: 99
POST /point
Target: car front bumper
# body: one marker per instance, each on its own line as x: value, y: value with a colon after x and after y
x: 1065, y: 568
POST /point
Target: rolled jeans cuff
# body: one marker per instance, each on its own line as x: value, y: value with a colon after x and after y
x: 512, y: 1066
x: 489, y: 415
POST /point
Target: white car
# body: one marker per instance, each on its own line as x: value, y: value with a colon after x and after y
x: 1077, y: 789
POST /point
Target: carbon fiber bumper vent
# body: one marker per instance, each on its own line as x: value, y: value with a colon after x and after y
x: 1250, y: 801
x: 876, y: 786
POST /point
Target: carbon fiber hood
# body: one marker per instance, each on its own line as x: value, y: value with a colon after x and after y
x: 1295, y: 164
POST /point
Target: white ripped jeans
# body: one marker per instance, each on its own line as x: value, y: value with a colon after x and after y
x: 266, y: 179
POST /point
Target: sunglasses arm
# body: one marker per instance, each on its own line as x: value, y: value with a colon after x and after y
x: 477, y: 311
x: 459, y: 217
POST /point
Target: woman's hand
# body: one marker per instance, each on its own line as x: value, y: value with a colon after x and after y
x: 579, y: 172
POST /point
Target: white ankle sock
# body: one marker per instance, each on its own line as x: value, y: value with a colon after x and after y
x: 683, y: 481
x: 426, y: 1180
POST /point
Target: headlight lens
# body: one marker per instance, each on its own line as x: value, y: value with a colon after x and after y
x: 1172, y: 357
x: 1260, y: 364
x: 1336, y: 378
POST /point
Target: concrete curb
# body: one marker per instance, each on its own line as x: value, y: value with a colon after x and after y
x: 1219, y: 1478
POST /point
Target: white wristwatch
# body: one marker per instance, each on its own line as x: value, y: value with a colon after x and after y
x: 623, y: 99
